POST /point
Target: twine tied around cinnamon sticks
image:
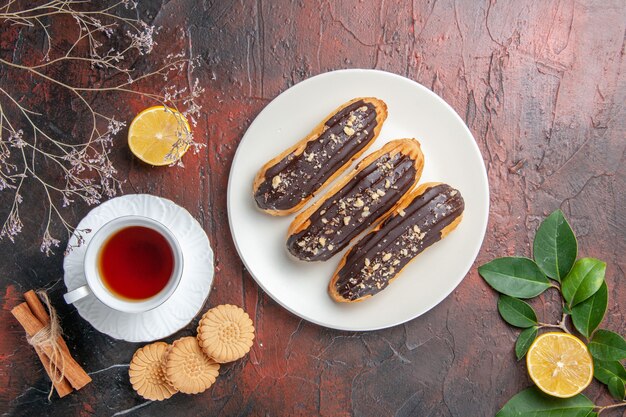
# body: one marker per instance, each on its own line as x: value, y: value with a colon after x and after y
x: 44, y: 333
x: 49, y: 335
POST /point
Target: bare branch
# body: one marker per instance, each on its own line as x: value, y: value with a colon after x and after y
x: 26, y: 143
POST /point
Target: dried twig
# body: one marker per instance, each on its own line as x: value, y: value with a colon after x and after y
x: 27, y: 141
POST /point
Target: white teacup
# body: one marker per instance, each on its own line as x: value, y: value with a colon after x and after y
x: 95, y: 284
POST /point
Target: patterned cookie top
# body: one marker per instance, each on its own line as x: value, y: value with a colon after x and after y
x: 225, y: 333
x: 146, y: 372
x: 187, y: 368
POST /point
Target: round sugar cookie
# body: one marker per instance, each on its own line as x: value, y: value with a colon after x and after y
x: 146, y: 372
x: 225, y: 333
x: 187, y: 368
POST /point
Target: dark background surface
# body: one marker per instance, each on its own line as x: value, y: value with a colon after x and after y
x: 540, y: 85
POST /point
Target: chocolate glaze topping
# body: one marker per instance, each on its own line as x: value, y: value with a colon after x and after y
x: 297, y: 177
x: 382, y: 254
x: 365, y: 198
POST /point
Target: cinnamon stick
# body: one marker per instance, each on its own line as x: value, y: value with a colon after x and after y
x: 62, y: 385
x: 76, y: 375
x: 39, y: 311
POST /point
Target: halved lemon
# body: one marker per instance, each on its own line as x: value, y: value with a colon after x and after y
x: 159, y: 135
x: 559, y: 364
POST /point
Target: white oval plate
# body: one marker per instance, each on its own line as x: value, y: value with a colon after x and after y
x: 187, y: 300
x: 451, y: 156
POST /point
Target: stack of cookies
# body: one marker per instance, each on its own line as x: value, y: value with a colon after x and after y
x: 191, y: 364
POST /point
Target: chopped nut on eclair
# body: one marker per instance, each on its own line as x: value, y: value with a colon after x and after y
x: 370, y: 191
x: 423, y: 217
x: 287, y: 182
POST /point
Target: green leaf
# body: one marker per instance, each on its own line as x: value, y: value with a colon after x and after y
x: 616, y: 388
x: 607, y: 346
x: 555, y: 247
x: 516, y: 312
x: 588, y: 315
x: 603, y: 371
x: 524, y: 340
x: 583, y: 280
x: 592, y: 414
x: 516, y: 277
x: 533, y: 403
x: 567, y: 310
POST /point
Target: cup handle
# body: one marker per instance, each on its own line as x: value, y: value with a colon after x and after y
x: 77, y: 294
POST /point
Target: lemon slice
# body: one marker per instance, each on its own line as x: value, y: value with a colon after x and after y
x: 159, y: 135
x: 559, y: 364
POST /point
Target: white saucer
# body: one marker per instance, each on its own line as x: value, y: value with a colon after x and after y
x: 194, y: 287
x: 451, y: 156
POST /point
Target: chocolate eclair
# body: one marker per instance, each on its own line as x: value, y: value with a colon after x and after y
x: 361, y: 198
x: 423, y: 217
x: 287, y: 182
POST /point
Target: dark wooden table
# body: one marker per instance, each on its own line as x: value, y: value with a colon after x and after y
x: 541, y: 86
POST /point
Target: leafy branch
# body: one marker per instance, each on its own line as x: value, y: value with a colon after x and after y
x: 101, y: 58
x: 584, y: 293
